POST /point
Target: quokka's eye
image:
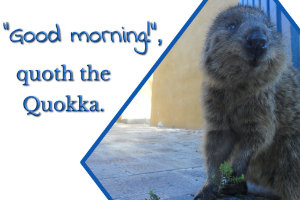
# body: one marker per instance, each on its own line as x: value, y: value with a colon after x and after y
x: 231, y: 26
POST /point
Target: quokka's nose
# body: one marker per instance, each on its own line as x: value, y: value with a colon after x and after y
x: 257, y: 43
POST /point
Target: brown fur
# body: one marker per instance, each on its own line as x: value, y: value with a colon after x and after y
x: 252, y: 106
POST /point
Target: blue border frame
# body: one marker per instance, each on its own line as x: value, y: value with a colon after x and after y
x: 183, y: 29
x: 283, y: 10
x: 83, y: 161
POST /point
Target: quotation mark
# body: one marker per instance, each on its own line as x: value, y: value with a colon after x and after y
x: 151, y: 26
x: 6, y: 26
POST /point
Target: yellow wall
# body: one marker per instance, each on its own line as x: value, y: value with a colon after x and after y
x: 176, y: 84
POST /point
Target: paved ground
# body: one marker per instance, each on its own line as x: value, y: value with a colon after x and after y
x: 134, y: 159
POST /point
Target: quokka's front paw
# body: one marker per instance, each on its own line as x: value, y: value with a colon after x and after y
x: 208, y: 192
x: 234, y: 189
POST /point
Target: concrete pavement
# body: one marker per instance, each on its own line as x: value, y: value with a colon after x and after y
x: 134, y: 158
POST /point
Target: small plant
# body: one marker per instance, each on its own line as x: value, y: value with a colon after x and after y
x: 227, y: 175
x: 153, y: 196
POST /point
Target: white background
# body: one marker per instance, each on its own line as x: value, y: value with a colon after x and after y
x: 40, y: 156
